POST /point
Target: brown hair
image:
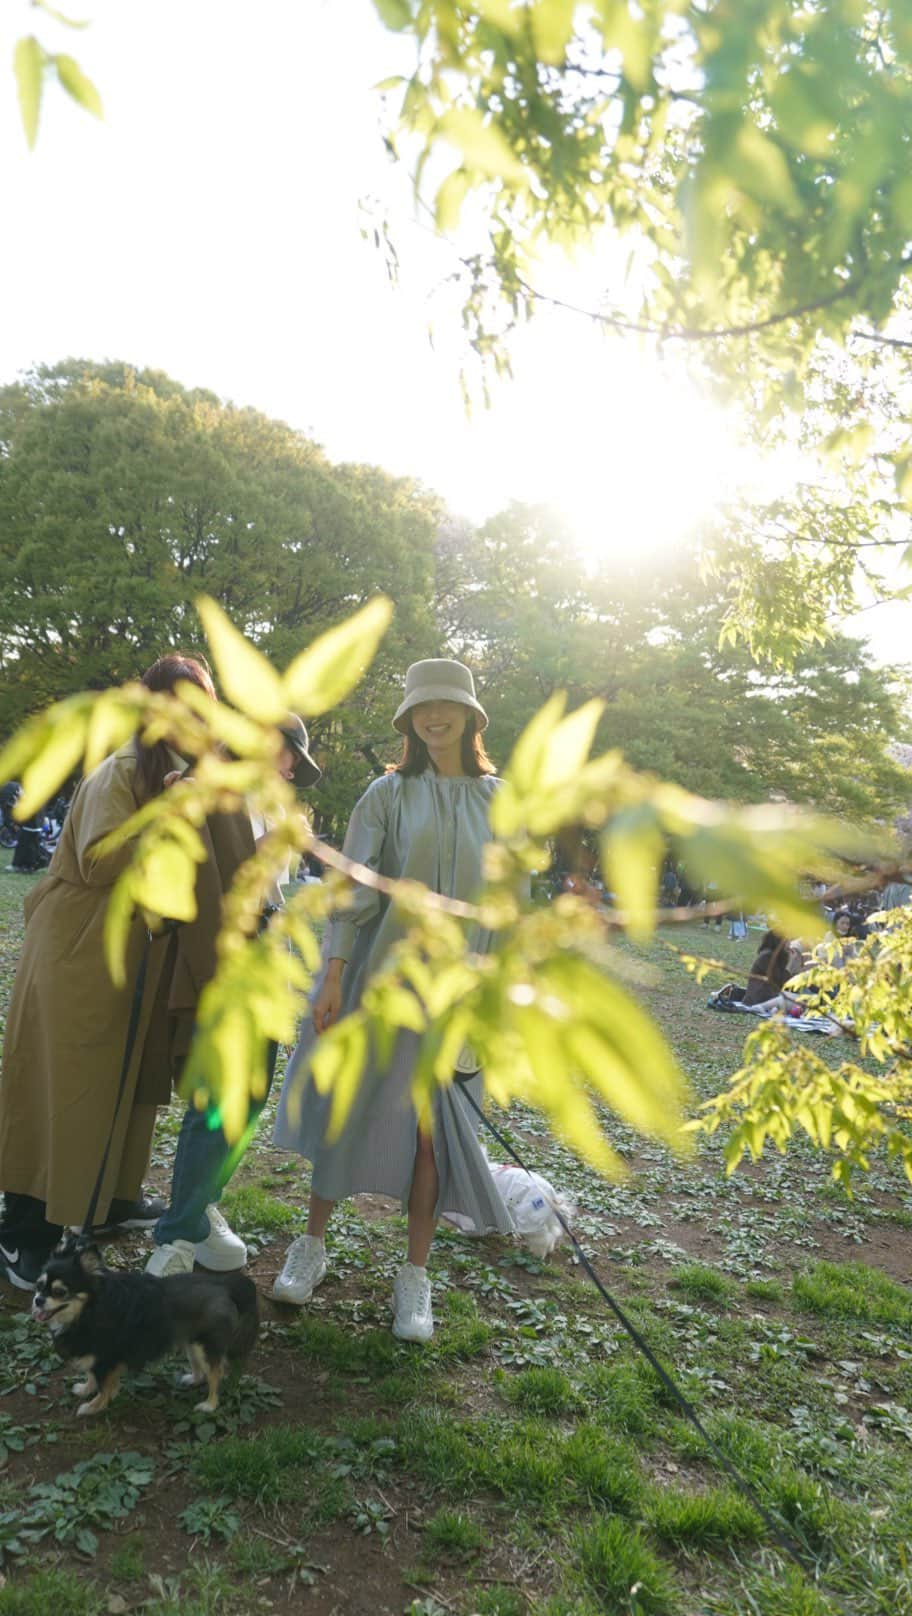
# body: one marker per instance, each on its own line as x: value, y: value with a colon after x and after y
x: 154, y: 762
x: 416, y: 758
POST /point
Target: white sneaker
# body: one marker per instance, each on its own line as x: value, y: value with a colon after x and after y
x: 176, y: 1258
x: 222, y: 1251
x: 305, y: 1266
x: 414, y: 1320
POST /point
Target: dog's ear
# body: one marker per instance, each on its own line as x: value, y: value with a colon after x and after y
x: 89, y: 1256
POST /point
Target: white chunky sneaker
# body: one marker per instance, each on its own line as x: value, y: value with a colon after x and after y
x: 176, y: 1258
x: 414, y: 1320
x: 305, y: 1266
x: 222, y: 1251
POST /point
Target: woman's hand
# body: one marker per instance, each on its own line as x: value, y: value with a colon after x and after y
x: 328, y: 1003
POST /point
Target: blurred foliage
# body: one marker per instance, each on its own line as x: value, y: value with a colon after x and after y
x: 759, y: 151
x: 33, y: 64
x: 756, y: 158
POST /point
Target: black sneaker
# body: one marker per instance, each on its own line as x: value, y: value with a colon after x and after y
x: 142, y: 1213
x: 23, y: 1265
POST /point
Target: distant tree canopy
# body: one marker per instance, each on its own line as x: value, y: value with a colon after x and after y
x: 124, y: 495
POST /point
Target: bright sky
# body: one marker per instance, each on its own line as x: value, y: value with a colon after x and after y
x: 211, y: 228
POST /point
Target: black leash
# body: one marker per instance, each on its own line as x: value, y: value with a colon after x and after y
x: 785, y: 1543
x: 129, y: 1046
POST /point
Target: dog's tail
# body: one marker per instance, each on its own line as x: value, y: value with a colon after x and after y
x: 243, y: 1293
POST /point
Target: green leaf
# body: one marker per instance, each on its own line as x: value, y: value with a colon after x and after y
x: 395, y: 13
x: 632, y: 849
x: 246, y: 677
x: 483, y: 146
x: 332, y: 665
x: 449, y: 200
x: 231, y: 1046
x: 503, y: 14
x: 761, y: 169
x: 552, y: 28
x: 337, y: 1064
x: 57, y: 758
x: 555, y: 1091
x: 117, y: 922
x: 77, y: 85
x: 528, y: 757
x: 630, y: 36
x: 28, y: 64
x: 166, y: 880
x: 903, y: 475
x: 569, y: 745
x: 622, y: 1051
x: 111, y: 723
x: 58, y: 16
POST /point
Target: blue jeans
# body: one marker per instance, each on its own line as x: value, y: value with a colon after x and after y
x: 203, y: 1164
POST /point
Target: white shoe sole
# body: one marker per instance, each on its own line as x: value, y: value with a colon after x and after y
x: 420, y: 1333
x: 215, y: 1263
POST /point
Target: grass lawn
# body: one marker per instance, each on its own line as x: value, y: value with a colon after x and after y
x: 527, y: 1460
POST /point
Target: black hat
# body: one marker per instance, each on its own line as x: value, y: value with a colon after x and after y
x: 307, y: 772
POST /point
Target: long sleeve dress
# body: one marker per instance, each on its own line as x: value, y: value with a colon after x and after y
x: 429, y: 828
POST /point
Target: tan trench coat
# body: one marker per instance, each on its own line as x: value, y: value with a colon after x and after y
x: 67, y: 1023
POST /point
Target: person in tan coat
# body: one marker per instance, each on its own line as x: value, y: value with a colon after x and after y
x: 67, y: 1024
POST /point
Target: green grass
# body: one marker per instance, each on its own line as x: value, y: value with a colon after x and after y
x: 854, y: 1291
x: 702, y: 1283
x: 461, y: 1334
x: 49, y: 1593
x: 128, y: 1562
x: 499, y: 1600
x: 249, y: 1208
x: 541, y: 1391
x: 764, y: 1290
x: 617, y: 1566
x: 451, y: 1531
x: 625, y: 1395
x: 702, y: 1520
x: 274, y: 1466
x: 332, y: 1346
x: 788, y: 1593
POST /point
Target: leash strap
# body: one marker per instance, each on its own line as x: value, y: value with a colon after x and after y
x: 129, y: 1046
x: 785, y: 1543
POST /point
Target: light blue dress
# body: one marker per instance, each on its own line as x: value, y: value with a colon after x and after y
x: 427, y: 828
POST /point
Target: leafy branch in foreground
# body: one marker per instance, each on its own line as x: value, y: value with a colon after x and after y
x: 32, y: 64
x: 848, y: 1110
x: 546, y: 1007
x: 758, y: 153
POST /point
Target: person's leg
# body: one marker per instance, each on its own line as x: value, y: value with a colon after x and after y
x: 201, y: 1151
x: 422, y: 1202
x: 414, y: 1318
x: 203, y: 1164
x: 319, y: 1212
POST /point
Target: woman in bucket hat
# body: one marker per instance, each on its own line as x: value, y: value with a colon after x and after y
x: 426, y: 819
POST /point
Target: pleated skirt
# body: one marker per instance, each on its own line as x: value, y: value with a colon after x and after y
x: 375, y: 1151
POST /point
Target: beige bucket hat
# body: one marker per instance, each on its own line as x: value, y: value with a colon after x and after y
x: 438, y: 679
